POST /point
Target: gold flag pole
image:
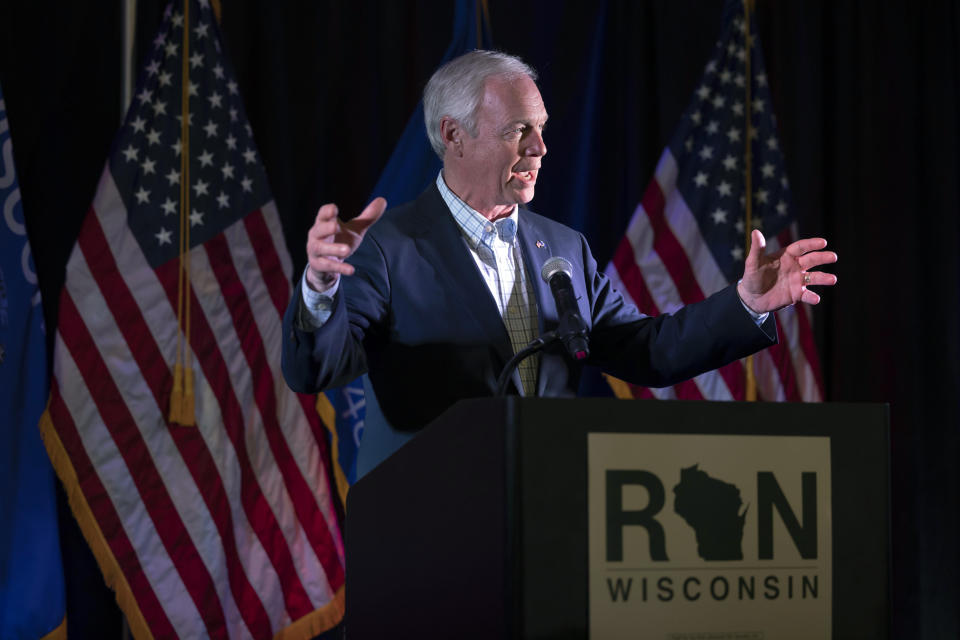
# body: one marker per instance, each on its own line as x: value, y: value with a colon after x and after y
x: 181, y: 397
x: 750, y: 392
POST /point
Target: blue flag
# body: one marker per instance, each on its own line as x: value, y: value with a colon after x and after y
x: 412, y: 166
x: 32, y: 601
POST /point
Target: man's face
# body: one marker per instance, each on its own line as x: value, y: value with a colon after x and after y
x: 502, y: 161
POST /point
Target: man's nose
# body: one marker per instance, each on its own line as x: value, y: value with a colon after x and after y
x: 535, y: 145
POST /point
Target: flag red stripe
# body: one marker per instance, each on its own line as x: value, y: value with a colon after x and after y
x: 156, y: 500
x: 733, y: 375
x: 106, y: 515
x: 258, y: 510
x: 688, y: 390
x: 270, y: 267
x: 671, y: 252
x: 632, y: 278
x: 301, y: 494
x: 189, y: 442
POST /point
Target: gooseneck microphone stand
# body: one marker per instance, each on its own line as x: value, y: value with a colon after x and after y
x: 565, y: 333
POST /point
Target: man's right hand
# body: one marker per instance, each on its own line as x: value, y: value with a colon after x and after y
x: 330, y: 241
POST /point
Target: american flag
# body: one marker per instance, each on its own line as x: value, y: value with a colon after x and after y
x: 686, y: 239
x: 226, y: 528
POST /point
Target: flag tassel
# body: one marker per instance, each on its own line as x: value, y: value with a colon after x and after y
x: 181, y: 397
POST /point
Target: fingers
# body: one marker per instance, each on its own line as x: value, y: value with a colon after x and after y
x: 757, y: 245
x: 326, y: 213
x: 325, y: 224
x: 320, y: 248
x: 800, y: 247
x: 815, y: 279
x: 809, y: 296
x: 330, y: 265
x: 819, y: 279
x: 816, y: 258
x: 330, y: 242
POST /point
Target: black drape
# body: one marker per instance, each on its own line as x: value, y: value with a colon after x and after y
x: 867, y: 96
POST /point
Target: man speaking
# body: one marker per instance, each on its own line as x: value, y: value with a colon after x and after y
x: 443, y: 291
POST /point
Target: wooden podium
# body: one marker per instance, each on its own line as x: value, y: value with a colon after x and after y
x: 479, y: 526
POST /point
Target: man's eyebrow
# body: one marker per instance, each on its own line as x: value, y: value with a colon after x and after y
x: 526, y: 123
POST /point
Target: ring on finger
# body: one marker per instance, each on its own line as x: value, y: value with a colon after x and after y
x: 806, y: 278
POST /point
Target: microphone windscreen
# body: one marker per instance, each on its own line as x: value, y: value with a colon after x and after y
x: 555, y: 265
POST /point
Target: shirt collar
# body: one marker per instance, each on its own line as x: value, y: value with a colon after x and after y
x: 475, y: 228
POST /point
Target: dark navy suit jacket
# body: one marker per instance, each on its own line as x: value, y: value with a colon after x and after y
x: 419, y: 319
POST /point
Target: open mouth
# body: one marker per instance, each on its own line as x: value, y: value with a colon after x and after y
x: 526, y: 177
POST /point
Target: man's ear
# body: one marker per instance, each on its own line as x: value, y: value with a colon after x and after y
x: 452, y: 135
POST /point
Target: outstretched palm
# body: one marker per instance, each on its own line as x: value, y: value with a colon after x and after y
x: 771, y: 282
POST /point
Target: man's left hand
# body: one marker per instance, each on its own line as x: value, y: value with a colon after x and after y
x: 771, y: 282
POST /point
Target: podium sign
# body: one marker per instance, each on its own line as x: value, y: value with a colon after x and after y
x: 537, y: 518
x: 720, y: 537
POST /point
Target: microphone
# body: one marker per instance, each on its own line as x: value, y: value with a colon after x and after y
x: 572, y: 330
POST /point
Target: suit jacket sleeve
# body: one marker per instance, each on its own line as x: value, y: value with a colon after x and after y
x: 669, y: 348
x: 334, y: 354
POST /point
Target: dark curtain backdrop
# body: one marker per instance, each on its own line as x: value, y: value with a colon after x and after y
x: 867, y: 96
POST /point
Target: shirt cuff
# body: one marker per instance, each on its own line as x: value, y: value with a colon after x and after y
x: 315, y: 307
x: 759, y: 318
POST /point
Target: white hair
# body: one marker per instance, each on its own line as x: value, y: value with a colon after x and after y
x: 456, y: 89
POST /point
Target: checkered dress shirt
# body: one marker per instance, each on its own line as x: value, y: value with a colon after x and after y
x: 495, y: 249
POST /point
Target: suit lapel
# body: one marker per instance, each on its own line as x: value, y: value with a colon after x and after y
x: 439, y: 242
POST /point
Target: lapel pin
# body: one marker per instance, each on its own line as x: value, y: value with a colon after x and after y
x: 540, y: 244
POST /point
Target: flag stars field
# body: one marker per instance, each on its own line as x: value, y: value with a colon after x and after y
x: 210, y: 90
